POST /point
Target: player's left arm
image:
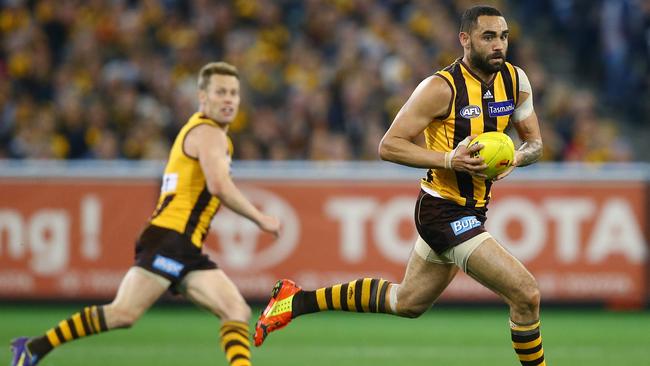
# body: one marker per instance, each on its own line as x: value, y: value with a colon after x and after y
x: 531, y: 149
x: 527, y: 127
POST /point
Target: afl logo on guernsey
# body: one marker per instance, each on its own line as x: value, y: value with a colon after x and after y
x: 470, y: 111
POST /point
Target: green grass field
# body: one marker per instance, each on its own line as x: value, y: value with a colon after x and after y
x: 183, y: 335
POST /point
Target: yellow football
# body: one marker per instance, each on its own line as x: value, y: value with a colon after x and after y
x: 498, y: 152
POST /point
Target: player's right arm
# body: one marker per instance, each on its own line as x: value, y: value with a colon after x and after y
x: 210, y: 145
x: 431, y: 99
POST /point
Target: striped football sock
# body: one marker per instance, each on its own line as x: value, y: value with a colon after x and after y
x: 235, y: 343
x: 362, y: 296
x: 87, y: 322
x: 527, y: 342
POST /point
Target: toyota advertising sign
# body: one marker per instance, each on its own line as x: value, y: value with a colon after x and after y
x: 69, y: 238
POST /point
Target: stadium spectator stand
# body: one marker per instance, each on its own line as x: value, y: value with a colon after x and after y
x: 323, y: 78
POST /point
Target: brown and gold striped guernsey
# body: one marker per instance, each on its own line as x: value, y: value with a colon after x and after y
x: 185, y: 204
x: 475, y: 107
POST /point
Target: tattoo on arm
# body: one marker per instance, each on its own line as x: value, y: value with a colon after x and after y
x: 530, y: 152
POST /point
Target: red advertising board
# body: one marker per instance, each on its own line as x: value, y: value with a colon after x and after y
x: 64, y: 239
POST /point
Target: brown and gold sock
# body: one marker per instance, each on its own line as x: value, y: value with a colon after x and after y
x: 235, y: 343
x: 87, y: 322
x: 527, y: 342
x: 363, y: 295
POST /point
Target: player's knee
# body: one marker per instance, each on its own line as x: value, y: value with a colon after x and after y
x: 533, y: 297
x: 238, y: 310
x: 245, y: 311
x: 528, y: 299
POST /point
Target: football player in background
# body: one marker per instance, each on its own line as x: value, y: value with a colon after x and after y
x: 168, y: 253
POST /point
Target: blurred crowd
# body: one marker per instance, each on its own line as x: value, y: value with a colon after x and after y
x: 321, y: 79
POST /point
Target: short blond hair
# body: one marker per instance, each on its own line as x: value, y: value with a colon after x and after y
x: 215, y: 68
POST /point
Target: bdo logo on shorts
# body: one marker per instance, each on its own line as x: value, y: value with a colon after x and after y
x: 167, y: 265
x: 465, y: 224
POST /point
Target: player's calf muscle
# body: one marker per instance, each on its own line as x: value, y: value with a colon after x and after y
x: 120, y: 318
x: 408, y: 304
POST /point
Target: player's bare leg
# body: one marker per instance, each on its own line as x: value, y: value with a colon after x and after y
x: 422, y: 284
x: 138, y: 290
x: 495, y: 268
x: 215, y: 292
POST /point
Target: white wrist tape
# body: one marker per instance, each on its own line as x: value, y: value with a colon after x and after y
x: 448, y: 157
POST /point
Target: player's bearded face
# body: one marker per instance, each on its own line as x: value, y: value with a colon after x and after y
x: 488, y: 43
x: 220, y: 100
x: 488, y: 62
